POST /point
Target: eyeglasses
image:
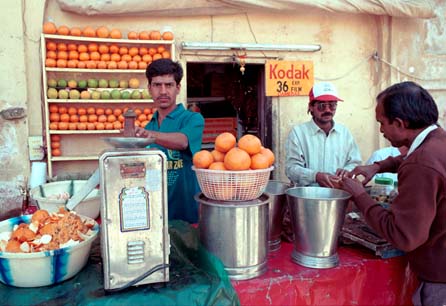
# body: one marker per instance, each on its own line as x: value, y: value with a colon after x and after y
x: 322, y: 105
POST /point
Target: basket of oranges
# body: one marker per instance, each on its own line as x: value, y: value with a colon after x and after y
x: 234, y: 171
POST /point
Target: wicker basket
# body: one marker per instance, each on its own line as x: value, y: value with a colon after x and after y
x: 225, y: 185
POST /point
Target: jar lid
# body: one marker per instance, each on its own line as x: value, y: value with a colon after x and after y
x: 383, y: 181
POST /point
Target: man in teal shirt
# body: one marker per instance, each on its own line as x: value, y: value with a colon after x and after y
x: 178, y: 133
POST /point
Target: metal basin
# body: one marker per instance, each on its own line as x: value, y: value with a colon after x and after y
x: 317, y: 215
x: 237, y: 233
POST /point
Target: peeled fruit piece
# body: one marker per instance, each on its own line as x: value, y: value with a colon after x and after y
x: 115, y: 94
x: 145, y: 94
x: 96, y: 95
x: 134, y: 83
x: 82, y: 84
x: 113, y: 84
x: 62, y: 83
x: 52, y: 93
x: 123, y: 84
x: 135, y: 95
x: 92, y: 83
x: 103, y: 83
x: 105, y: 95
x: 125, y: 95
x: 63, y: 94
x: 75, y: 94
x: 72, y: 83
x: 52, y: 83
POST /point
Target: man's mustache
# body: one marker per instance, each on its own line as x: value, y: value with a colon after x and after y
x: 327, y: 113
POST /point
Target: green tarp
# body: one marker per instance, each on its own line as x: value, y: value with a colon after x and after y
x: 196, y: 278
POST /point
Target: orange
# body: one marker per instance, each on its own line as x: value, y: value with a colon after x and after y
x: 137, y: 123
x: 83, y: 118
x: 49, y: 28
x: 108, y: 126
x: 132, y: 35
x: 55, y: 137
x: 105, y: 57
x: 133, y: 65
x: 269, y: 154
x: 108, y: 111
x: 202, y: 159
x: 112, y: 65
x: 74, y: 118
x: 100, y: 111
x: 81, y: 64
x: 92, y: 118
x: 75, y: 31
x: 225, y: 142
x: 56, y: 152
x: 62, y: 55
x: 157, y: 56
x: 218, y: 156
x: 133, y: 51
x: 91, y: 126
x: 100, y: 126
x: 250, y: 144
x: 137, y: 111
x: 142, y: 65
x: 114, y: 49
x: 155, y: 35
x: 142, y: 117
x: 126, y: 57
x: 85, y: 95
x: 144, y: 123
x: 144, y: 35
x: 115, y: 57
x: 62, y: 47
x: 115, y: 33
x: 54, y: 117
x: 92, y: 47
x: 143, y: 51
x: 121, y: 118
x: 84, y: 56
x: 63, y: 126
x: 123, y: 50
x: 50, y: 62
x: 82, y: 48
x: 63, y: 110
x: 72, y: 63
x: 91, y: 111
x: 63, y: 30
x: 89, y: 32
x: 91, y: 65
x: 101, y: 65
x: 72, y: 126
x: 81, y: 111
x: 217, y: 166
x: 147, y: 111
x: 103, y: 49
x: 81, y: 126
x: 61, y: 63
x: 51, y: 46
x: 102, y: 118
x: 54, y: 126
x: 237, y: 159
x: 152, y: 51
x: 165, y: 54
x: 137, y: 58
x: 73, y: 54
x: 55, y: 145
x: 51, y: 54
x: 54, y: 109
x: 71, y: 47
x: 147, y: 58
x: 95, y: 56
x: 117, y: 125
x: 161, y: 49
x: 259, y: 161
x: 122, y: 65
x: 102, y: 32
x: 167, y: 35
x: 72, y: 110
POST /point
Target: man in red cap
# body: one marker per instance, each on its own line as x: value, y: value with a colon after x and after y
x: 320, y: 150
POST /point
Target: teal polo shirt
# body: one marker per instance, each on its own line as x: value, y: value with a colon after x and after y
x: 182, y: 182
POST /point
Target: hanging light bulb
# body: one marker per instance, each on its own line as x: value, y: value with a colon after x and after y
x: 242, y: 63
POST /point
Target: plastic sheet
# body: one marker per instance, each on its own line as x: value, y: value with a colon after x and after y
x: 360, y: 279
x: 196, y: 278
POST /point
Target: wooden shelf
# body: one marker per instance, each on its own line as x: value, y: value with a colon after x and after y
x: 74, y: 158
x: 107, y: 40
x: 84, y: 70
x: 121, y: 101
x: 84, y: 132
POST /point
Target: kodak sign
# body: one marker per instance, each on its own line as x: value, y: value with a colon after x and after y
x: 288, y: 78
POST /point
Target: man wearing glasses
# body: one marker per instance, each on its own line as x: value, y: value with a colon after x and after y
x: 320, y: 150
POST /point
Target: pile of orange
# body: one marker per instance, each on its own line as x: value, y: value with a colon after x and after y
x: 101, y: 55
x: 103, y: 32
x: 228, y: 154
x: 56, y: 145
x: 93, y: 118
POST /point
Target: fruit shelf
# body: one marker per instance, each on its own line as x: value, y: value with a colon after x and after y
x: 79, y: 149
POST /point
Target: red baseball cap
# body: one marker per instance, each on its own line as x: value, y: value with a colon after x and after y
x: 324, y: 91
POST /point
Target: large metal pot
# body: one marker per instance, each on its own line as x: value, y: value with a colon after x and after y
x: 237, y: 233
x: 317, y: 215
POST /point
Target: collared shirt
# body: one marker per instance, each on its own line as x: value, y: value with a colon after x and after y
x: 309, y: 150
x: 420, y: 138
x: 182, y: 182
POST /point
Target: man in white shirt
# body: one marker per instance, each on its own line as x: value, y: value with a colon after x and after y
x: 319, y: 151
x: 382, y: 154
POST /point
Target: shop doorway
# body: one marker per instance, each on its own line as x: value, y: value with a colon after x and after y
x: 230, y: 100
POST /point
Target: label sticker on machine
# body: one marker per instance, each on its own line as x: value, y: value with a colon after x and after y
x: 132, y: 170
x: 134, y: 209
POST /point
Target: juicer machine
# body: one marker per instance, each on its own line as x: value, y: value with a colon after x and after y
x: 135, y: 242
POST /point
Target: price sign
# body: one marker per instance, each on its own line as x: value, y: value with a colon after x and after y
x: 288, y: 78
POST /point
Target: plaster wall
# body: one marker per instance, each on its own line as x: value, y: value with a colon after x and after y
x: 348, y: 42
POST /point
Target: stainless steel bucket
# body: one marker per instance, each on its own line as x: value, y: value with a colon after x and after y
x: 317, y: 215
x: 237, y: 233
x: 277, y: 203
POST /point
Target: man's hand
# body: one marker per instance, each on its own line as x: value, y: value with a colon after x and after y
x: 327, y: 180
x: 368, y: 172
x: 352, y: 186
